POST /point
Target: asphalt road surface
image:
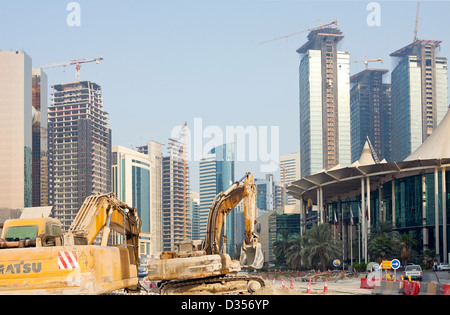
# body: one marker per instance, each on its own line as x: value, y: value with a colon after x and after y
x: 442, y: 277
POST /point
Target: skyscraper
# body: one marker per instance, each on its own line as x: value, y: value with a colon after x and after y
x: 194, y: 202
x: 40, y: 146
x: 208, y: 190
x: 216, y: 176
x: 289, y: 172
x: 131, y: 184
x: 370, y: 103
x: 324, y: 102
x: 154, y: 153
x: 79, y: 147
x: 176, y: 214
x: 419, y: 95
x: 15, y: 130
x: 265, y: 193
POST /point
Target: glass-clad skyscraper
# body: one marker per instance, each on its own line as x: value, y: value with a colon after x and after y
x: 370, y: 103
x: 216, y: 176
x: 324, y: 102
x: 419, y: 95
x: 131, y: 184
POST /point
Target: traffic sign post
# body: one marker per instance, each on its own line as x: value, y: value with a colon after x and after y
x: 395, y: 264
x: 336, y: 263
x: 386, y: 264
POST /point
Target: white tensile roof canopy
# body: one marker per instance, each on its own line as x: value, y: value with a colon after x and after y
x: 437, y: 146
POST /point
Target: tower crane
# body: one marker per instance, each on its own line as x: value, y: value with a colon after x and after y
x: 76, y: 62
x: 335, y: 22
x: 366, y: 62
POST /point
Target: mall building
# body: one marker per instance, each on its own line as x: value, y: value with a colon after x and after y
x: 411, y: 194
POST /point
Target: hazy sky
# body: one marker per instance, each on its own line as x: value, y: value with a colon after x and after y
x: 167, y: 62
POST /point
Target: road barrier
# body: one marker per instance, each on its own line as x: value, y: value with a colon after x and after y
x: 431, y: 288
x: 388, y: 288
x: 446, y: 289
x: 411, y: 287
x: 367, y: 283
x: 425, y: 288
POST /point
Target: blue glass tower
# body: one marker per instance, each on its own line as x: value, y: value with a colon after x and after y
x: 216, y: 176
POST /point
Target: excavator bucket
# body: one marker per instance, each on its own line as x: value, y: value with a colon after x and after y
x: 252, y: 256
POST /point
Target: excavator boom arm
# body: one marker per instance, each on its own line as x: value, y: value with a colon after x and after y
x: 220, y: 209
x: 223, y: 205
x: 105, y: 213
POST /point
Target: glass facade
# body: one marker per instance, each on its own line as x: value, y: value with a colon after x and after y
x: 324, y: 140
x: 344, y: 136
x: 401, y: 117
x: 419, y: 96
x: 311, y: 153
x: 278, y: 221
x: 414, y: 204
x: 208, y: 192
x: 371, y: 113
x: 224, y: 180
x: 141, y: 195
x: 131, y: 172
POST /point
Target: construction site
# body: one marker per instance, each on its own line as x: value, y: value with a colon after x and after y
x: 282, y: 283
x: 86, y: 240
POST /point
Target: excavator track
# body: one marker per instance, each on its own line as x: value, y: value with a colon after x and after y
x: 226, y: 284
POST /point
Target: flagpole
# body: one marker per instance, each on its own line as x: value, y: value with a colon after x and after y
x: 351, y: 234
x: 368, y: 213
x: 363, y: 225
x: 351, y: 243
x: 359, y: 233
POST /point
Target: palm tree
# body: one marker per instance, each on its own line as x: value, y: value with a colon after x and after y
x: 385, y: 229
x: 293, y: 253
x: 281, y: 245
x: 428, y: 257
x: 405, y: 241
x: 319, y: 246
x: 381, y: 247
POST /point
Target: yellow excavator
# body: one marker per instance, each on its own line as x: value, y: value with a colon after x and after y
x: 205, y: 267
x: 37, y: 258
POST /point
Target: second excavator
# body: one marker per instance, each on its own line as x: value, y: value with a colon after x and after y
x: 205, y: 267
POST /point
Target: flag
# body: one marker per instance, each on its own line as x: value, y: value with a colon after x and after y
x: 367, y: 212
x: 335, y: 220
x: 309, y: 206
x: 351, y: 216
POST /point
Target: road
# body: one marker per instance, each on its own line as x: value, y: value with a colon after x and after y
x: 442, y: 277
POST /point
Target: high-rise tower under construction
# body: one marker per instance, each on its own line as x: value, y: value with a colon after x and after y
x: 79, y: 141
x: 324, y: 102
